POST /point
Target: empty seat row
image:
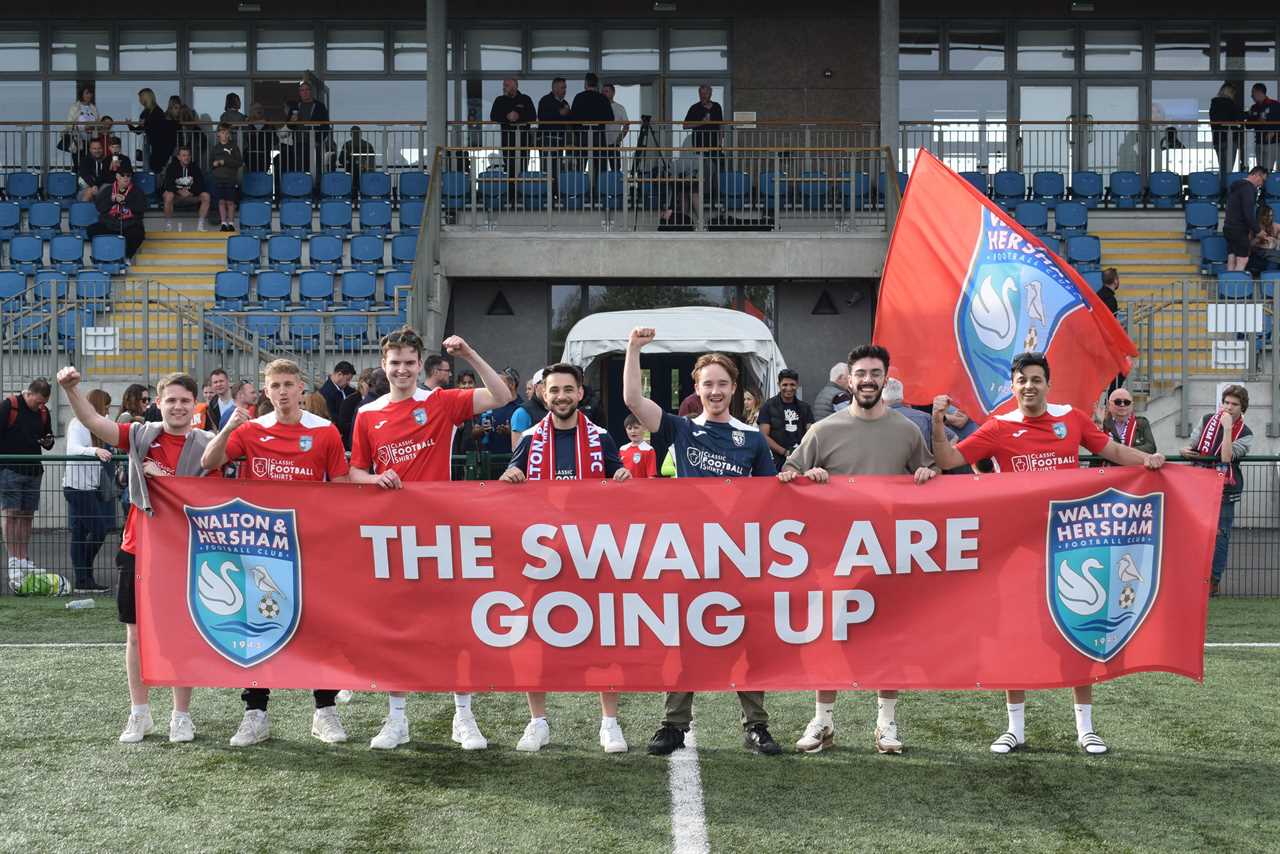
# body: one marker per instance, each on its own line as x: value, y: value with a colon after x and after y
x: 260, y: 186
x: 88, y: 285
x: 26, y: 253
x: 284, y: 252
x: 44, y: 219
x: 274, y: 289
x: 1070, y: 219
x: 336, y: 217
x: 305, y: 332
x: 1122, y: 189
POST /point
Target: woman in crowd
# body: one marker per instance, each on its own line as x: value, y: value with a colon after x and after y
x: 1264, y: 250
x: 231, y: 111
x: 89, y: 514
x: 750, y: 405
x: 316, y: 405
x: 133, y: 405
x: 82, y: 123
x: 258, y: 140
x: 159, y: 130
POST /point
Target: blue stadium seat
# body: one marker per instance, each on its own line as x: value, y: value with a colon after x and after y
x: 11, y: 219
x: 1048, y: 188
x: 1271, y: 190
x: 296, y: 185
x: 366, y: 252
x: 393, y: 281
x: 1034, y: 217
x: 375, y: 217
x: 213, y: 342
x: 61, y: 186
x: 532, y: 191
x: 375, y: 185
x: 492, y: 188
x: 305, y: 331
x: 146, y: 183
x: 413, y: 186
x: 274, y: 289
x: 1008, y: 188
x: 255, y: 219
x: 94, y: 285
x: 44, y: 219
x: 1235, y: 286
x: 1267, y: 283
x: 350, y: 332
x: 1086, y: 187
x: 1124, y: 189
x: 883, y: 186
x: 1093, y: 278
x: 813, y: 189
x: 358, y: 289
x: 266, y: 326
x: 1201, y: 219
x: 256, y: 187
x: 1231, y: 179
x: 284, y: 252
x: 404, y: 248
x: 385, y: 324
x: 230, y: 290
x: 411, y: 215
x: 66, y: 253
x: 1213, y: 254
x: 978, y: 180
x: 69, y: 325
x: 32, y: 333
x: 771, y: 187
x: 243, y: 253
x: 1070, y: 219
x: 455, y: 190
x: 13, y: 290
x: 107, y: 253
x: 1084, y: 253
x: 324, y: 252
x: 335, y: 217
x: 51, y: 283
x: 23, y: 188
x: 295, y: 218
x: 80, y: 216
x: 853, y: 191
x: 26, y: 254
x: 315, y: 290
x: 335, y: 185
x: 1164, y: 190
x: 613, y: 194
x: 575, y: 188
x: 735, y: 190
x: 1203, y: 187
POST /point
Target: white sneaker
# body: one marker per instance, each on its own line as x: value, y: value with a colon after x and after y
x: 201, y: 225
x: 139, y: 727
x: 168, y: 225
x: 326, y: 726
x: 344, y: 696
x: 255, y: 728
x: 816, y: 738
x: 467, y: 733
x: 537, y: 734
x: 611, y: 737
x: 181, y: 727
x: 393, y: 734
x: 17, y: 573
x: 887, y: 740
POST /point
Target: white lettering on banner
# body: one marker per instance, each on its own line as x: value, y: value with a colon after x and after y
x: 914, y: 539
x: 715, y: 542
x: 380, y: 534
x: 730, y: 625
x: 842, y: 616
x: 670, y: 551
x: 782, y: 618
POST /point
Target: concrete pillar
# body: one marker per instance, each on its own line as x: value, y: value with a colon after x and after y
x: 889, y: 90
x: 430, y: 289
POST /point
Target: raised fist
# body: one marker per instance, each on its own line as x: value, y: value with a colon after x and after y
x: 454, y: 345
x: 68, y: 377
x: 940, y: 404
x: 641, y: 336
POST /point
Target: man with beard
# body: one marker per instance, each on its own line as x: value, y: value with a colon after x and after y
x: 714, y: 444
x: 870, y: 438
x: 1037, y: 436
x: 566, y: 446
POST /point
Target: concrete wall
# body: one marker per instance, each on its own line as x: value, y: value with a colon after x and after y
x: 518, y: 340
x: 813, y: 343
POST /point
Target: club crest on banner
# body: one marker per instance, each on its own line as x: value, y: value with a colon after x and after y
x: 1014, y: 298
x: 1102, y: 573
x: 244, y: 579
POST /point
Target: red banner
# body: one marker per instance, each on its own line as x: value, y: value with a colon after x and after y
x: 1010, y: 580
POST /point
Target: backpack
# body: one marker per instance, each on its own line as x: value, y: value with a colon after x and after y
x: 13, y: 413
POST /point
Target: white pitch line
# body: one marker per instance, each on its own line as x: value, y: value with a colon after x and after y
x: 56, y: 645
x: 688, y: 821
x: 1243, y: 645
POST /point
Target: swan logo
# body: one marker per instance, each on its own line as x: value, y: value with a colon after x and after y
x: 1103, y: 568
x: 244, y: 579
x: 1015, y: 297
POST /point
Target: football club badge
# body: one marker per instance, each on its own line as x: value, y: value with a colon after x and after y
x: 1060, y: 429
x: 1014, y: 299
x: 635, y: 458
x: 1103, y: 568
x: 739, y: 438
x: 305, y: 443
x: 420, y: 416
x: 244, y: 579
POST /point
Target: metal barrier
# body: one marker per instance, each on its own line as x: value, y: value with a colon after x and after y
x: 1253, y: 567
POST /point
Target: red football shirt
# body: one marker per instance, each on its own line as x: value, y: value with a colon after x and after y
x: 640, y: 459
x: 413, y: 437
x: 1048, y: 441
x: 164, y: 452
x: 309, y: 450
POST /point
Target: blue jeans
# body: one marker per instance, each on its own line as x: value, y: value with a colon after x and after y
x: 89, y: 520
x: 1225, y: 517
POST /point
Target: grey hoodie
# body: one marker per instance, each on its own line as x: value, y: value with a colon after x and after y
x: 141, y: 435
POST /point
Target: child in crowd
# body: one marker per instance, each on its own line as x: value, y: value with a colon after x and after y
x: 638, y: 456
x: 226, y: 161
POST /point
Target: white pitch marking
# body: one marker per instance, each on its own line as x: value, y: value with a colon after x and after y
x: 688, y: 821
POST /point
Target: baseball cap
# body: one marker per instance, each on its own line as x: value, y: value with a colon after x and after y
x: 537, y: 376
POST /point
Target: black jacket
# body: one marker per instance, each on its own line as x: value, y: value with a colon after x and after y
x: 1224, y: 110
x: 120, y: 216
x: 549, y: 111
x: 590, y: 106
x: 175, y: 170
x: 334, y: 397
x: 1242, y: 208
x: 213, y: 416
x: 95, y: 173
x: 521, y: 103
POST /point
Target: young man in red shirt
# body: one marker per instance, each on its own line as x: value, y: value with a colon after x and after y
x: 407, y: 435
x: 171, y: 447
x: 289, y: 444
x: 1037, y: 436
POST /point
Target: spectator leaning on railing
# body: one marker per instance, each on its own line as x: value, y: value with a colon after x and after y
x: 160, y: 131
x: 25, y: 431
x: 90, y: 490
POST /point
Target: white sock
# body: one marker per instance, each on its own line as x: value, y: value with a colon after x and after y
x: 1084, y: 718
x: 144, y: 709
x: 462, y: 702
x: 395, y: 708
x: 605, y: 720
x: 178, y: 713
x: 1017, y: 719
x: 884, y: 711
x: 826, y: 713
x: 542, y: 718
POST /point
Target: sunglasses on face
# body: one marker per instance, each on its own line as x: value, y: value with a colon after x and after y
x: 1123, y: 402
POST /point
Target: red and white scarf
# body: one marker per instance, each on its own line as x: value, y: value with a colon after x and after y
x: 1124, y: 433
x: 1210, y: 441
x: 541, y: 464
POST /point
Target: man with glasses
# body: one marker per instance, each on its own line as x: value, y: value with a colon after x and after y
x: 1122, y: 425
x: 438, y: 373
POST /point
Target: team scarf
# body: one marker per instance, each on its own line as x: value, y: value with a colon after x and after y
x: 1125, y: 436
x: 541, y: 463
x: 1210, y: 442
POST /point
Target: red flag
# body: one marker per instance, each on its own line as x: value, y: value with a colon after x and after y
x: 965, y: 288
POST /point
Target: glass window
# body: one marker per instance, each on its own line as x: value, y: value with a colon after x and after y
x: 1113, y: 50
x: 286, y: 50
x: 560, y: 50
x: 976, y: 50
x: 1246, y: 51
x: 918, y: 49
x: 1182, y: 100
x: 963, y: 119
x: 409, y: 50
x: 1046, y: 50
x: 494, y: 50
x: 367, y: 100
x: 119, y: 98
x: 355, y: 50
x: 21, y: 101
x: 699, y: 50
x: 19, y: 50
x: 219, y: 50
x: 81, y: 50
x: 1186, y: 50
x: 148, y: 50
x: 629, y: 50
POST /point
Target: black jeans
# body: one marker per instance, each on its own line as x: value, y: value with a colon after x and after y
x: 89, y: 520
x: 255, y: 699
